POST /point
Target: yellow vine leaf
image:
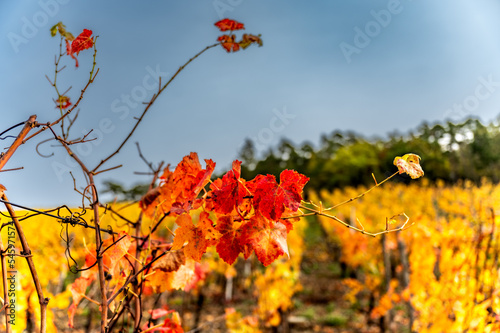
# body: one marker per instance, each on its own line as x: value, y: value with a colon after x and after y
x: 409, y: 164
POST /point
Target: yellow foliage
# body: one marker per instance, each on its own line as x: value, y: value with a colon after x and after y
x: 354, y: 288
x: 236, y: 323
x: 454, y: 276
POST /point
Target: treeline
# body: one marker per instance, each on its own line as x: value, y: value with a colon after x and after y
x: 450, y: 152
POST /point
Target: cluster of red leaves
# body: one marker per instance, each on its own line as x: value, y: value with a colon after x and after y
x: 73, y: 45
x: 227, y: 24
x: 82, y: 42
x: 228, y: 42
x: 237, y: 216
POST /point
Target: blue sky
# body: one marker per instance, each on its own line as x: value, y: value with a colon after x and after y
x: 406, y: 62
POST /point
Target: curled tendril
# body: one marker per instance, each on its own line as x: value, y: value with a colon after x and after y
x: 38, y: 146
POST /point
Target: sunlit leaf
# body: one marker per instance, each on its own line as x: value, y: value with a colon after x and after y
x: 409, y: 164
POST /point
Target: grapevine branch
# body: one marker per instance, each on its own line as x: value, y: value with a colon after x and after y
x: 362, y: 230
x: 28, y: 125
x: 95, y: 208
x: 91, y: 173
x: 4, y: 284
x: 93, y: 74
x: 29, y: 259
x: 138, y: 225
x: 90, y: 191
x: 13, y: 169
x: 318, y: 210
x: 141, y: 268
x: 364, y: 193
x: 73, y: 219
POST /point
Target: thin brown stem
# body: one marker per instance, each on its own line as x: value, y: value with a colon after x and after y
x: 13, y: 169
x: 67, y: 112
x: 31, y: 264
x: 99, y: 258
x: 363, y: 231
x: 364, y: 193
x: 138, y: 289
x: 5, y: 288
x: 108, y: 169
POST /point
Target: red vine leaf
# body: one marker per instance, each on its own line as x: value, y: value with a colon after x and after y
x: 70, y: 52
x: 227, y: 24
x: 229, y: 43
x: 228, y: 246
x: 266, y: 238
x: 271, y: 198
x: 82, y: 42
x: 230, y: 192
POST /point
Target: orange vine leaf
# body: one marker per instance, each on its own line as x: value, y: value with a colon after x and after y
x: 198, y: 237
x: 229, y: 43
x: 178, y: 189
x: 78, y: 289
